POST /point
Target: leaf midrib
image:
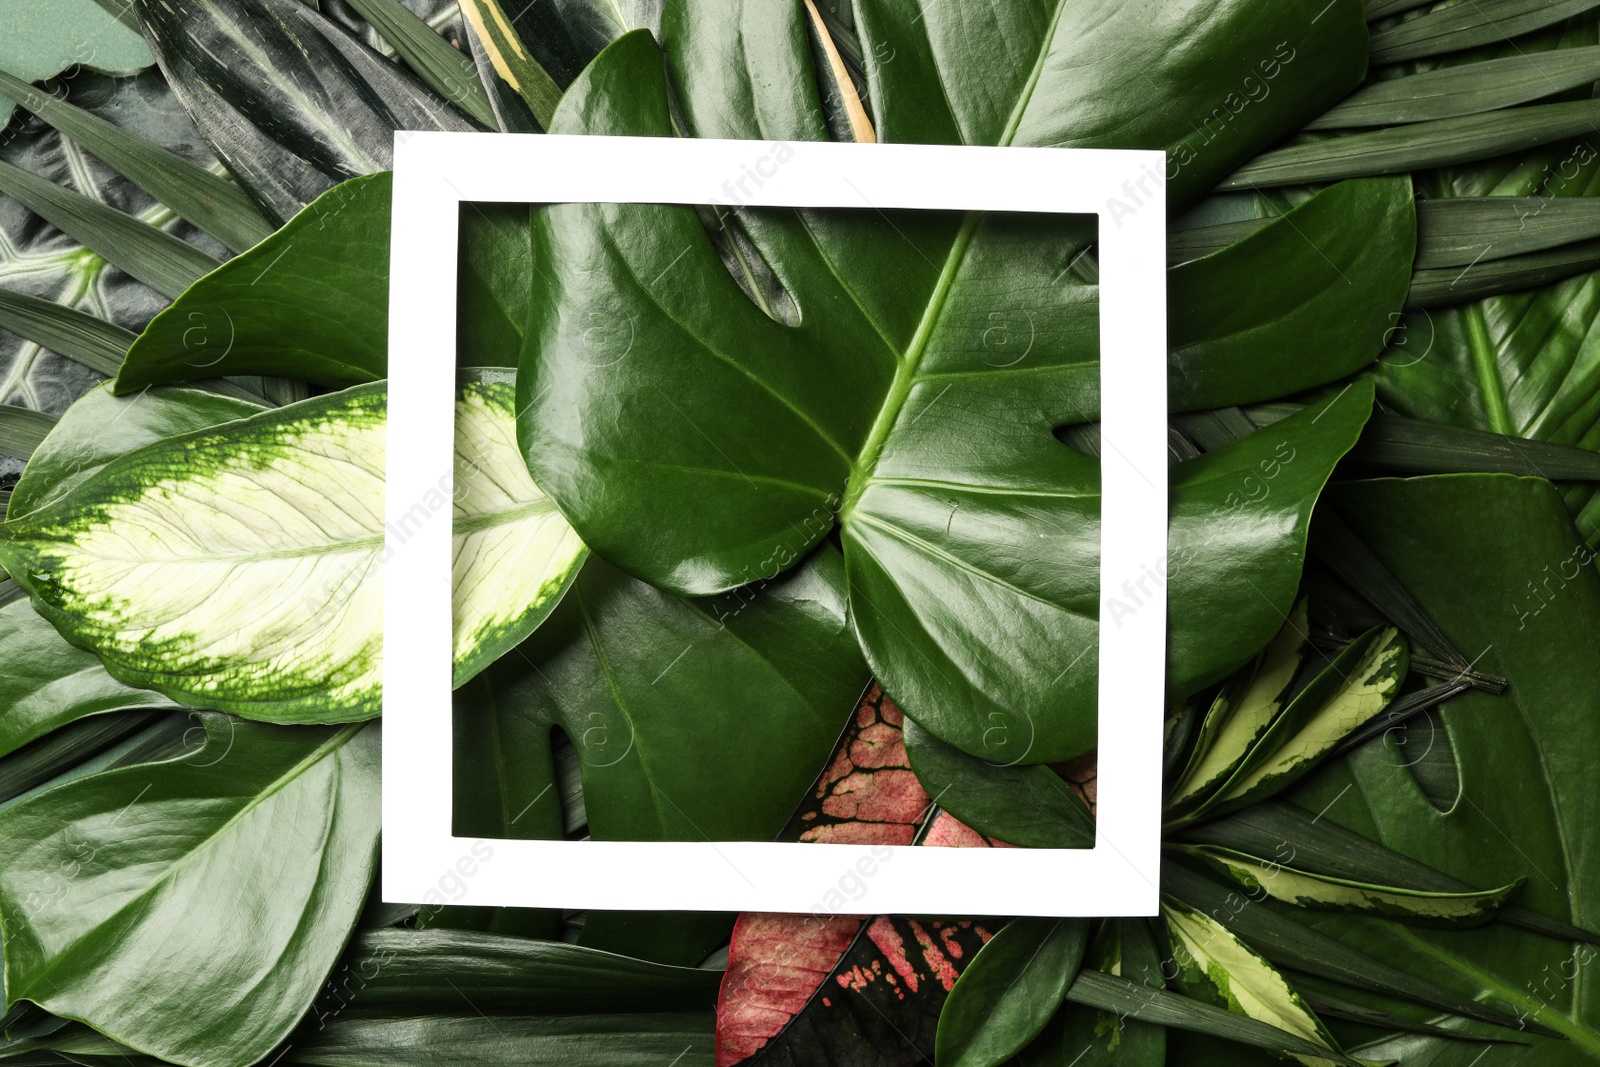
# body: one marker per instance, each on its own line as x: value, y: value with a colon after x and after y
x: 905, y: 376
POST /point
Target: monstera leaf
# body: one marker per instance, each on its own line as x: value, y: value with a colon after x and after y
x: 1488, y: 826
x: 885, y: 409
x: 237, y: 567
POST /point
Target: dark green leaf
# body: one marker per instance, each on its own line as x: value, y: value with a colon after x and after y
x: 242, y: 869
x: 1463, y: 90
x: 1418, y: 146
x: 1460, y: 231
x: 1327, y: 280
x: 1082, y: 1036
x: 1009, y: 991
x: 936, y: 537
x: 214, y: 204
x: 92, y: 341
x: 444, y: 69
x: 1457, y: 26
x: 157, y: 258
x: 1030, y: 806
x: 1411, y: 446
x: 48, y: 683
x: 771, y: 673
x: 1443, y: 286
x: 470, y: 1039
x: 290, y: 101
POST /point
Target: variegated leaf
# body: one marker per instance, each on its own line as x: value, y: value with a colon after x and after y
x: 237, y: 567
x: 1215, y: 966
x: 1242, y: 713
x: 1263, y: 877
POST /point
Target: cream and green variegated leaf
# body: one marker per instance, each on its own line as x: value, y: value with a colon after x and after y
x: 1214, y: 966
x: 238, y: 567
x: 1347, y: 694
x: 1268, y: 878
x: 1241, y: 714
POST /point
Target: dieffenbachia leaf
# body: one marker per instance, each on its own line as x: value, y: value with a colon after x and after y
x: 1027, y: 805
x: 1269, y: 877
x: 241, y: 869
x: 289, y: 100
x: 48, y: 683
x: 311, y: 302
x: 771, y: 674
x: 1009, y: 991
x: 893, y: 415
x: 237, y: 567
x: 212, y: 203
x: 1356, y: 686
x: 1242, y: 712
x: 1216, y: 966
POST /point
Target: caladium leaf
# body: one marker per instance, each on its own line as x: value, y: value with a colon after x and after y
x: 312, y: 301
x: 934, y: 536
x: 1269, y: 877
x: 770, y: 672
x: 292, y: 102
x: 1009, y: 991
x: 49, y: 683
x: 273, y: 827
x: 1500, y: 826
x: 236, y: 566
x: 1214, y: 965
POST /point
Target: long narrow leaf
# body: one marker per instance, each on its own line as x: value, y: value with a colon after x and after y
x: 1442, y: 286
x: 1376, y: 9
x: 94, y: 342
x: 1461, y: 26
x: 445, y: 70
x: 1419, y: 145
x: 155, y: 257
x: 1464, y: 90
x: 1340, y: 1002
x: 1458, y: 232
x: 22, y: 430
x: 214, y: 204
x: 511, y: 60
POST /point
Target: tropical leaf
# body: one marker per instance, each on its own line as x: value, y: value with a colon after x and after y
x: 291, y: 102
x: 510, y: 59
x: 101, y: 875
x: 921, y: 525
x: 771, y: 674
x: 216, y: 567
x: 92, y: 342
x: 1082, y: 1036
x: 444, y: 69
x: 1521, y: 802
x: 38, y: 46
x: 1009, y: 991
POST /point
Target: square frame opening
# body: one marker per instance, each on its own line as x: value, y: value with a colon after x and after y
x: 422, y: 858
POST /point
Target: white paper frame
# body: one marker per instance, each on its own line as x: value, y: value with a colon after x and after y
x: 424, y: 861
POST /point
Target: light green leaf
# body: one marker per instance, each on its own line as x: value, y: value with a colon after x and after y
x: 237, y: 567
x: 1242, y: 712
x: 1214, y: 965
x: 1262, y: 876
x: 193, y: 909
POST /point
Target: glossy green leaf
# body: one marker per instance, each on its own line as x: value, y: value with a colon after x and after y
x: 212, y: 203
x: 1009, y: 991
x: 1418, y: 146
x: 241, y: 868
x: 49, y: 683
x: 1458, y: 26
x: 423, y: 971
x: 1213, y: 964
x: 1327, y: 279
x: 311, y: 302
x: 94, y: 342
x: 236, y: 567
x: 1082, y: 1036
x: 1242, y: 712
x: 771, y: 674
x: 1466, y: 89
x: 1264, y: 876
x: 291, y: 102
x: 1028, y: 806
x: 1524, y: 806
x: 468, y: 1039
x: 163, y: 262
x: 791, y: 430
x: 442, y: 68
x: 1348, y: 693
